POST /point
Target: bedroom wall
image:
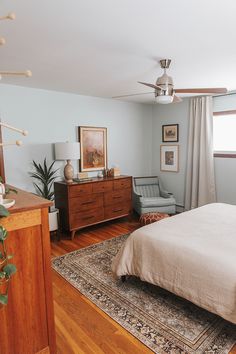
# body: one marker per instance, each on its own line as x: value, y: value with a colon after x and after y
x: 171, y: 114
x: 51, y: 116
x: 225, y: 168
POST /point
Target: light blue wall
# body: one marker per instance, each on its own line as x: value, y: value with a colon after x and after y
x: 53, y: 117
x: 171, y: 114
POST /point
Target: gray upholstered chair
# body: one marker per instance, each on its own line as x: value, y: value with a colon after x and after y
x: 148, y: 196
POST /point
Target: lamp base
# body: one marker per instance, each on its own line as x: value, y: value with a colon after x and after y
x: 68, y: 172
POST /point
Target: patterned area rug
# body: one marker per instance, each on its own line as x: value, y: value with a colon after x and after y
x: 162, y: 321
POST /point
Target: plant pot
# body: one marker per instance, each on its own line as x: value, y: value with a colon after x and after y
x: 53, y: 220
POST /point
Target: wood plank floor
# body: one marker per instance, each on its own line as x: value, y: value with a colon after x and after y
x: 81, y: 327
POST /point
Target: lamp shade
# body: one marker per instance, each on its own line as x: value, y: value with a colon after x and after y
x: 67, y: 151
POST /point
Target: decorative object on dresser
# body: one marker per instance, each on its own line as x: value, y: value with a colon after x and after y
x: 169, y: 160
x: 170, y: 133
x: 91, y: 202
x: 93, y: 148
x: 67, y: 151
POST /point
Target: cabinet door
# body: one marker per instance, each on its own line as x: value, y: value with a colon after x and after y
x: 117, y: 196
x: 122, y: 183
x: 23, y: 327
x: 79, y: 189
x: 85, y: 202
x: 88, y: 217
x: 117, y: 210
x: 104, y: 186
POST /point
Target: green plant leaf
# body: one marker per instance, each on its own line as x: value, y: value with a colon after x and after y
x: 2, y: 275
x: 9, y: 269
x: 3, y: 211
x: 3, y: 299
x: 45, y: 175
x: 8, y: 190
x: 3, y: 233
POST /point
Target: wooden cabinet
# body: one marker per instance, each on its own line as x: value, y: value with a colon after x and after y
x: 87, y: 203
x: 27, y: 322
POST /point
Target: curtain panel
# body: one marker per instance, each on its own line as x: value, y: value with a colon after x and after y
x: 200, y: 176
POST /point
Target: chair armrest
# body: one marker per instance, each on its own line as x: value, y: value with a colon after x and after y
x: 136, y: 197
x: 136, y: 194
x: 165, y: 194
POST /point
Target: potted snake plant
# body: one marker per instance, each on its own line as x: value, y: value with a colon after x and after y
x: 44, y: 176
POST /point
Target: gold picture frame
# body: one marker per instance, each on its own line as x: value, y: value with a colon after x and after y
x: 169, y: 158
x: 93, y: 148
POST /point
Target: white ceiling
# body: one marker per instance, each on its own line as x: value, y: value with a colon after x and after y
x: 103, y: 47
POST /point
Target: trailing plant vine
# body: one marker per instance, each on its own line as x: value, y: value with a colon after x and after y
x: 6, y: 269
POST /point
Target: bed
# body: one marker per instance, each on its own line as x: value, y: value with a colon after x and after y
x: 192, y: 254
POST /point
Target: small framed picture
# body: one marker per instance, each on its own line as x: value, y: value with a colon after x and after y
x: 170, y: 133
x: 169, y: 158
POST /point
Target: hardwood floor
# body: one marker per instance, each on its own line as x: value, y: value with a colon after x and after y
x: 81, y: 327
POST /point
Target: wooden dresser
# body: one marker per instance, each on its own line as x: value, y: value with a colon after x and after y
x: 91, y: 202
x: 27, y: 322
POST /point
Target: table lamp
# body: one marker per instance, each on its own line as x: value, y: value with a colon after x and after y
x: 67, y: 151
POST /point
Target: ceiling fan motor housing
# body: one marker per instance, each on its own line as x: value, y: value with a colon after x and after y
x: 166, y: 83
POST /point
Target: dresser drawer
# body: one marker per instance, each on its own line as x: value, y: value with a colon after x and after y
x: 86, y: 218
x: 79, y: 189
x: 122, y: 183
x: 117, y: 210
x: 117, y: 196
x: 86, y: 202
x: 102, y: 187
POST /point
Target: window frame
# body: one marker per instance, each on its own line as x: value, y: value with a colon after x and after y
x: 225, y: 154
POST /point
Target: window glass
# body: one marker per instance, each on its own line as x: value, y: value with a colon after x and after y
x: 224, y: 133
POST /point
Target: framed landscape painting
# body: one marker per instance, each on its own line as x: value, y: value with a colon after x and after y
x: 170, y: 133
x: 170, y: 158
x: 93, y: 148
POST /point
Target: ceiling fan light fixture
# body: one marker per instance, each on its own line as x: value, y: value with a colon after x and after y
x: 164, y: 99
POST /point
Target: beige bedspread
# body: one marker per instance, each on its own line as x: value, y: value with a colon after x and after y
x: 192, y: 254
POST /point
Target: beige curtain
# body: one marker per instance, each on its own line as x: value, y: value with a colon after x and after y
x: 200, y: 177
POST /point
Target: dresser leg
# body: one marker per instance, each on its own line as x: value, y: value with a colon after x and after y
x: 73, y: 234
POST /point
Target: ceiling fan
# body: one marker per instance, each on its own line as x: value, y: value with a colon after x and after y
x: 165, y: 91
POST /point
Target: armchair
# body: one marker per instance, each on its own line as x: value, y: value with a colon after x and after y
x: 149, y: 196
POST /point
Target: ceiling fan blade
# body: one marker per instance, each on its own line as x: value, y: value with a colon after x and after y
x: 150, y: 85
x: 177, y: 99
x: 203, y: 90
x: 134, y: 94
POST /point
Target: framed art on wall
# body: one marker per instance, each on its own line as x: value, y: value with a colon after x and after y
x: 93, y: 148
x: 169, y: 158
x: 170, y: 133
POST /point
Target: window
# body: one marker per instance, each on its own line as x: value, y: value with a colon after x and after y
x: 224, y: 134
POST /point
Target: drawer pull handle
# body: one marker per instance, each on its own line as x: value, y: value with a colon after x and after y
x: 85, y: 203
x: 117, y: 197
x: 87, y: 217
x: 117, y: 210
